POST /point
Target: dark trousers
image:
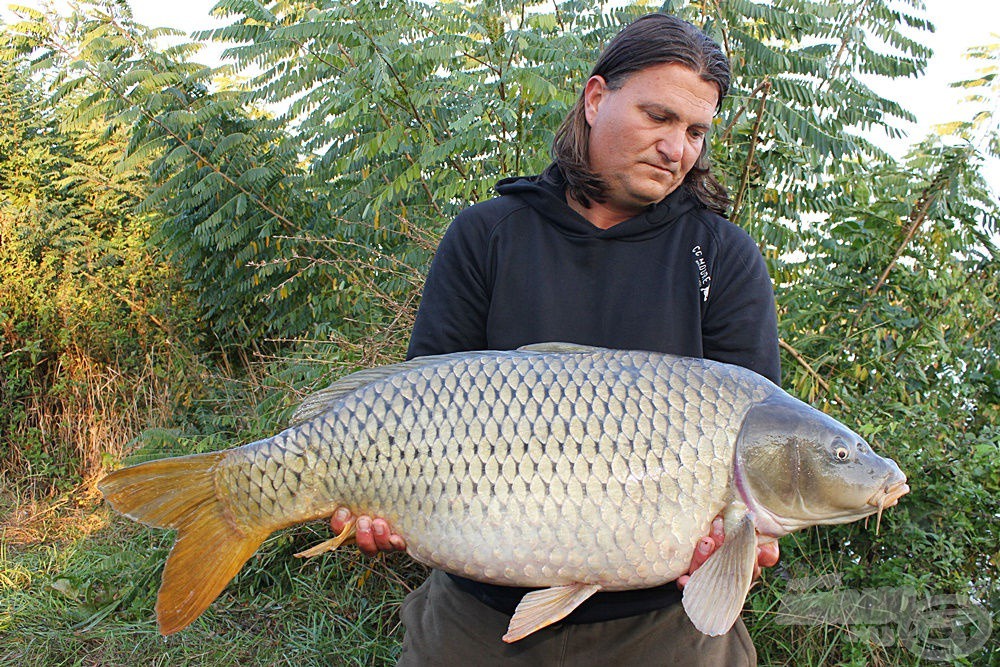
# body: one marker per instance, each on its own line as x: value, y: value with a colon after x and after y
x: 448, y: 627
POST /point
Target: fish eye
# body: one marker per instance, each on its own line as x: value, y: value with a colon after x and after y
x: 841, y: 450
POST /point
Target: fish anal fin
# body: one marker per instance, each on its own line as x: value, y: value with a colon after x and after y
x: 714, y: 596
x: 346, y: 536
x: 544, y: 607
x: 210, y: 549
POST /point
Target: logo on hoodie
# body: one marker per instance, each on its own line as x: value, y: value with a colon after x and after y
x: 701, y: 265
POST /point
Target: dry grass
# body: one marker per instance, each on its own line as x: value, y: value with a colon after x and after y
x: 26, y: 520
x: 82, y: 415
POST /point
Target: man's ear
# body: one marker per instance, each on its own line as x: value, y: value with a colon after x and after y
x: 593, y: 93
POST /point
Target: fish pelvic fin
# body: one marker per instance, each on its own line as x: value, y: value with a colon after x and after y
x: 714, y: 596
x: 180, y: 493
x: 540, y: 608
x: 346, y: 536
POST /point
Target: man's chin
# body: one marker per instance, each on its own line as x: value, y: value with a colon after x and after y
x: 649, y: 196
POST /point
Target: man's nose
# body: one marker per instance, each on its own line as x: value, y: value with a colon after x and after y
x: 671, y: 144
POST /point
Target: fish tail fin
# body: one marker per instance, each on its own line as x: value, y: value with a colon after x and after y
x: 210, y: 549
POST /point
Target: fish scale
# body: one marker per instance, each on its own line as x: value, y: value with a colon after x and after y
x: 595, y: 481
x: 564, y: 467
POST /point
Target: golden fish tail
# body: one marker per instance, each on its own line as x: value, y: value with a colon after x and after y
x: 210, y: 549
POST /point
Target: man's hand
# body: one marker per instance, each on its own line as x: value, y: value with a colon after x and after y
x: 372, y: 534
x: 767, y: 554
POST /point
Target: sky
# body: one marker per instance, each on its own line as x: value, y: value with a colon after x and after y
x: 959, y: 25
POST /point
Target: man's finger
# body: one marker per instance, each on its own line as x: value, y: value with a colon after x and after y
x: 718, y: 531
x: 340, y: 519
x: 364, y: 536
x: 705, y: 548
x: 768, y: 554
x: 381, y: 532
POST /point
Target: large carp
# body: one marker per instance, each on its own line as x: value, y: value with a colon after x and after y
x: 571, y: 468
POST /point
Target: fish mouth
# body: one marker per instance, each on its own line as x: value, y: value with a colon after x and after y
x: 887, y: 497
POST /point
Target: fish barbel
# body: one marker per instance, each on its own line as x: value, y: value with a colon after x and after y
x: 613, y: 464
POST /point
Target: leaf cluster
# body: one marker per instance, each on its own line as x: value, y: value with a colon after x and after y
x: 87, y: 313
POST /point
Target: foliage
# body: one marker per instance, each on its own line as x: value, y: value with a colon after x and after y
x: 888, y: 315
x: 433, y: 104
x: 214, y: 176
x: 286, y: 205
x: 89, y: 319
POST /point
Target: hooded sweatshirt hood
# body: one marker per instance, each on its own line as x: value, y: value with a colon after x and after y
x: 546, y: 194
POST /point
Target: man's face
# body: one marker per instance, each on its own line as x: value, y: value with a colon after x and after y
x: 646, y: 135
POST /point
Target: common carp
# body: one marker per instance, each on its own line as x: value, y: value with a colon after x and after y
x: 613, y: 463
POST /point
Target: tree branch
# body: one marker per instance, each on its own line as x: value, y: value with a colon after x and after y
x: 917, y: 216
x: 765, y: 87
x: 805, y: 364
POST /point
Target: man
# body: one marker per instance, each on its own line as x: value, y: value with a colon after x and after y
x: 619, y: 243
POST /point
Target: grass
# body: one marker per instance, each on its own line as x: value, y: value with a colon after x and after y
x: 78, y: 586
x: 78, y: 582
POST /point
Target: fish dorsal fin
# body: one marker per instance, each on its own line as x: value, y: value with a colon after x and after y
x: 538, y: 609
x: 319, y: 402
x: 714, y: 596
x: 560, y: 347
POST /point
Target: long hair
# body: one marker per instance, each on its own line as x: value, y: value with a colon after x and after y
x: 653, y: 39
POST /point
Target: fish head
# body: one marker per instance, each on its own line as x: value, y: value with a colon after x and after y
x: 798, y: 467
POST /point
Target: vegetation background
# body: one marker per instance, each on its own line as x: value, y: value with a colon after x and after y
x: 187, y: 250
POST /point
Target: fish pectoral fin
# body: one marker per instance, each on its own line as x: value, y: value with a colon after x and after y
x: 714, y: 596
x: 541, y: 608
x: 346, y: 536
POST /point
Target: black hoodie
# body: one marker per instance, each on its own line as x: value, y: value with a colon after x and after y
x: 526, y: 268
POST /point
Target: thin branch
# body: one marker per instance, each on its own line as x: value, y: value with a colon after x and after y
x: 722, y: 24
x: 805, y: 364
x: 917, y: 216
x: 766, y: 83
x: 409, y: 158
x: 844, y: 41
x: 754, y: 138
